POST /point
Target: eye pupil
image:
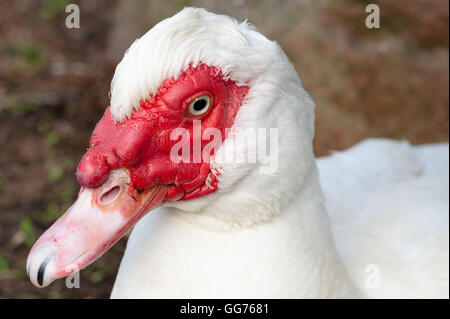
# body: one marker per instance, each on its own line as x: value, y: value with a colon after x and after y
x: 199, y: 104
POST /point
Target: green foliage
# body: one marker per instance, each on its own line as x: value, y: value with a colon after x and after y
x: 96, y: 273
x: 25, y: 56
x: 51, y: 8
x: 54, y: 294
x: 19, y: 274
x: 52, y: 138
x: 53, y: 213
x: 67, y: 193
x: 4, y: 263
x: 21, y: 108
x: 27, y: 227
x: 55, y: 173
x: 30, y: 52
x: 97, y: 276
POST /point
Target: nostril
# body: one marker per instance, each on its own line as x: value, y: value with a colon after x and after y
x: 110, y: 195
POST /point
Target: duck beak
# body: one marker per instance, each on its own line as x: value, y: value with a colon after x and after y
x: 96, y: 221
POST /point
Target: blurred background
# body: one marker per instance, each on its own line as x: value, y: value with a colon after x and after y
x: 54, y: 82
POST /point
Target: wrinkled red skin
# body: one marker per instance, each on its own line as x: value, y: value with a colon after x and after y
x: 142, y: 143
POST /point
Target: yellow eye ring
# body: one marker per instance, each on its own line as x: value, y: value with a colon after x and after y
x: 199, y: 106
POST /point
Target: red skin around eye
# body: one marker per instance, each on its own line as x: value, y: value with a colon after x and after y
x: 142, y: 143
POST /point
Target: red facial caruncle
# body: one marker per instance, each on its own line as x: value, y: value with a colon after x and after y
x: 142, y: 143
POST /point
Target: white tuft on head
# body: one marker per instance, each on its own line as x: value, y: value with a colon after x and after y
x: 191, y: 36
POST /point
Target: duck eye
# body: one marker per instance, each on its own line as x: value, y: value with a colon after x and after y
x: 199, y: 106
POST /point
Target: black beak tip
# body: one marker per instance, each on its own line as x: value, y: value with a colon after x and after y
x: 41, y: 271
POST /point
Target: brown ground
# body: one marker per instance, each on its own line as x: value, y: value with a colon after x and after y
x: 54, y: 84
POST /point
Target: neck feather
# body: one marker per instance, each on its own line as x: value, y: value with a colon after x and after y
x: 295, y: 243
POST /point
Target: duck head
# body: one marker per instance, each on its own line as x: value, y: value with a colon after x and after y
x: 179, y: 98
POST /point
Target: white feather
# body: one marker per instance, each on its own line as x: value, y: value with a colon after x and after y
x: 172, y: 45
x: 390, y: 210
x: 270, y: 236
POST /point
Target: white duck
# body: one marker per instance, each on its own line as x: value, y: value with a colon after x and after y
x: 225, y: 229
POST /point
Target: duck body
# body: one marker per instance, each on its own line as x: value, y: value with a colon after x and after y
x: 389, y: 220
x: 174, y: 254
x: 388, y: 203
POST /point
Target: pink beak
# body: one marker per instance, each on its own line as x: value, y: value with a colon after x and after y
x: 96, y: 221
